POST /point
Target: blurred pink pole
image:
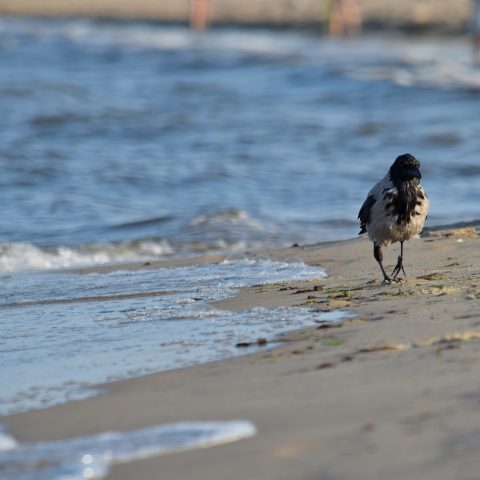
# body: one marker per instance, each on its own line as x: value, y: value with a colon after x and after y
x: 200, y: 14
x: 345, y: 18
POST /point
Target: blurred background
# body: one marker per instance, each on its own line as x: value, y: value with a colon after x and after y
x: 137, y: 129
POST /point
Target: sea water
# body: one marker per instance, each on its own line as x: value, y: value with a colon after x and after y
x: 91, y: 457
x: 63, y: 332
x: 125, y: 141
x: 131, y: 141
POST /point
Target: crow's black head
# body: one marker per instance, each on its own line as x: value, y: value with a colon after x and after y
x: 405, y: 168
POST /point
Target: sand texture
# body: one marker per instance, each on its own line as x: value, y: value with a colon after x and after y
x: 393, y: 393
x: 388, y: 13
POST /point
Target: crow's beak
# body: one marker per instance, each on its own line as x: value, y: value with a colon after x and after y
x: 412, y: 171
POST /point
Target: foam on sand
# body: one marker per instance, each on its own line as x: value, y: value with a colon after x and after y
x: 67, y: 332
x: 92, y: 456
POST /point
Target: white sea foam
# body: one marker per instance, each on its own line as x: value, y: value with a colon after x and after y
x: 424, y: 63
x: 231, y: 230
x: 26, y: 256
x: 65, y: 332
x: 92, y: 456
x: 7, y: 442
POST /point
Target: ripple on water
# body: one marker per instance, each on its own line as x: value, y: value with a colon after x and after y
x: 67, y: 332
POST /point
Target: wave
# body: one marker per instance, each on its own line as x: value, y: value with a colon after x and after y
x: 93, y: 456
x: 439, y: 64
x: 224, y: 231
x: 159, y: 37
x: 121, y: 314
x: 229, y: 231
x: 26, y: 256
x: 438, y: 59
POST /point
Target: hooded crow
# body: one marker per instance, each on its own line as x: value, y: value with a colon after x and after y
x: 395, y: 210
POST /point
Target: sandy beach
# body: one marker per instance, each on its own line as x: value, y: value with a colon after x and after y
x: 414, y: 14
x: 391, y: 393
x: 153, y: 179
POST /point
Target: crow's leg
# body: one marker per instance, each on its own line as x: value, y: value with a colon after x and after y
x: 399, y: 266
x: 377, y: 253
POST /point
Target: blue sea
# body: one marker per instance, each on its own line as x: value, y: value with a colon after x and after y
x: 137, y: 141
x: 125, y: 141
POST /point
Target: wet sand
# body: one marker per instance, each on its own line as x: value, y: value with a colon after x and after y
x: 392, y: 393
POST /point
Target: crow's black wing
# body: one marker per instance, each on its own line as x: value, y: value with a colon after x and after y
x: 364, y: 214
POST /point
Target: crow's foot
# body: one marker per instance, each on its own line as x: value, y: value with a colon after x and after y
x: 398, y: 268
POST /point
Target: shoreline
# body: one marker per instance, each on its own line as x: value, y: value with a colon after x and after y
x: 324, y: 402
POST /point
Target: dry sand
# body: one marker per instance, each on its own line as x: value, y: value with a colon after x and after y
x: 446, y: 14
x: 393, y: 393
